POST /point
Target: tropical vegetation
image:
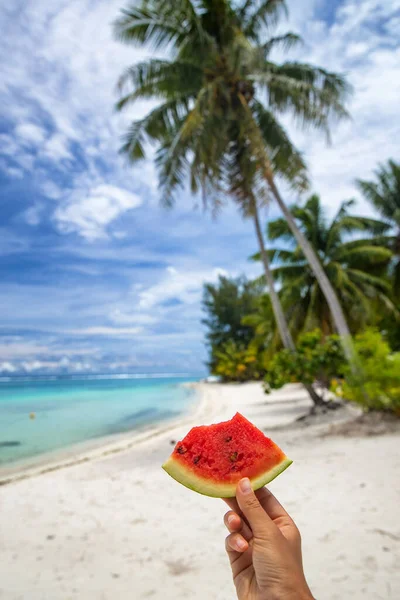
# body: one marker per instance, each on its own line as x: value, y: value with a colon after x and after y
x: 217, y: 127
x: 384, y: 195
x: 217, y: 122
x: 358, y: 254
x: 318, y: 359
x: 357, y: 267
x: 226, y: 305
x: 380, y: 386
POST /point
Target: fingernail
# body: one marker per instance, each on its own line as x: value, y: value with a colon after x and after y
x: 245, y: 485
x: 231, y: 520
x: 241, y: 544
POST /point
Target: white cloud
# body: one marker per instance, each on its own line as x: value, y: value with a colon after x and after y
x: 14, y: 150
x: 33, y: 365
x: 33, y: 214
x: 29, y: 348
x: 120, y: 235
x: 7, y: 367
x: 123, y: 318
x: 18, y: 349
x: 63, y: 73
x: 50, y: 189
x: 30, y: 133
x: 67, y: 65
x: 65, y: 364
x: 57, y: 148
x: 356, y: 44
x: 111, y: 331
x: 57, y: 95
x: 90, y: 216
x: 185, y: 286
x: 13, y: 172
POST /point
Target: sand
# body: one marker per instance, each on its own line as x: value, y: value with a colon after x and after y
x: 117, y: 527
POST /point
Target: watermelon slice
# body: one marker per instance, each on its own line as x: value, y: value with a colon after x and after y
x: 211, y: 459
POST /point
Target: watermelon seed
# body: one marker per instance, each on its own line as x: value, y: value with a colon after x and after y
x: 233, y: 456
x: 181, y: 450
x: 196, y: 459
x: 228, y: 439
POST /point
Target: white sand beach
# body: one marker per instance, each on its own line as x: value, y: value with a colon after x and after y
x: 117, y: 527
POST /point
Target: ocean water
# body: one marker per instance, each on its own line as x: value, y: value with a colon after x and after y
x: 71, y: 410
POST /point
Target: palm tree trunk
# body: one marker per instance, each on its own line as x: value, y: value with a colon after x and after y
x: 318, y: 270
x: 283, y: 328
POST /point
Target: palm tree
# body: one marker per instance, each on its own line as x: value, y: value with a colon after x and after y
x: 356, y: 268
x: 384, y: 195
x: 220, y: 94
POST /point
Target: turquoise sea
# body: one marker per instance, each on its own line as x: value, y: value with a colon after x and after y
x: 45, y: 415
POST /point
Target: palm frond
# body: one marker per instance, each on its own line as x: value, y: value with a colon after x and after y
x: 312, y: 95
x: 158, y: 123
x: 256, y: 16
x: 162, y: 79
x: 288, y: 272
x: 363, y: 278
x: 283, y: 42
x: 160, y: 23
x: 364, y: 255
x: 385, y: 241
x: 384, y: 194
x: 285, y: 158
x: 277, y: 254
x: 279, y: 229
x: 146, y: 26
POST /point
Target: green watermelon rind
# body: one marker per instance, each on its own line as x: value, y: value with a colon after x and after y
x: 198, y: 484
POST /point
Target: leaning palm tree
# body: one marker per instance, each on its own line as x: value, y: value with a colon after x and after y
x: 384, y: 195
x: 219, y: 98
x: 356, y: 268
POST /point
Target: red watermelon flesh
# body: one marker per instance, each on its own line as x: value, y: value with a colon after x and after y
x: 211, y: 459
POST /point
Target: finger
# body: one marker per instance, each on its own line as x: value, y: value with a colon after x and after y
x: 249, y: 504
x: 236, y: 543
x: 280, y: 517
x: 233, y: 504
x: 270, y: 504
x: 267, y: 500
x: 239, y: 553
x: 234, y: 523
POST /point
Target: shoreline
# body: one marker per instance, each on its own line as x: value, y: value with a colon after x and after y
x: 202, y: 410
x: 94, y: 449
x: 103, y: 527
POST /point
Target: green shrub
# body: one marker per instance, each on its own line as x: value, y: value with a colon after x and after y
x: 379, y: 386
x: 315, y: 359
x: 235, y: 362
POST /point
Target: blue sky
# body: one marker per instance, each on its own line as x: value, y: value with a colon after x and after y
x: 94, y: 274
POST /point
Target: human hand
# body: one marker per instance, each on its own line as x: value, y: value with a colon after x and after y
x: 264, y: 547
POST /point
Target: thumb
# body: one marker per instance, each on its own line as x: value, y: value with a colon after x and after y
x: 258, y: 519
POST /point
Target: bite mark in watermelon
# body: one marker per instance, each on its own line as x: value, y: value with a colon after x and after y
x: 211, y: 459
